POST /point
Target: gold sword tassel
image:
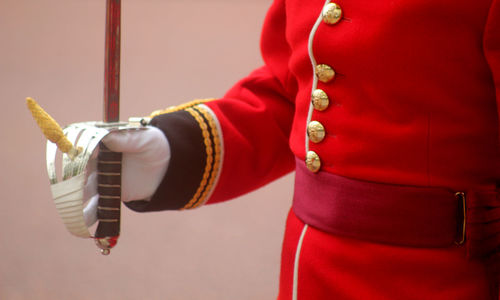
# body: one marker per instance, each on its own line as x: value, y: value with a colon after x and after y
x: 51, y: 130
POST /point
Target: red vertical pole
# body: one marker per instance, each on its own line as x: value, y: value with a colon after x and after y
x: 108, y: 162
x: 112, y: 62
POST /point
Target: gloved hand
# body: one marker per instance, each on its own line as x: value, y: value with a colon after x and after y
x: 146, y: 154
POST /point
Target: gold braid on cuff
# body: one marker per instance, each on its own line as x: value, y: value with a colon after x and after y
x: 212, y: 141
x: 213, y: 147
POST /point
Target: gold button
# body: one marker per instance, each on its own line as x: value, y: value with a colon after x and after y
x: 313, y: 163
x: 315, y: 131
x: 325, y: 73
x: 320, y: 100
x: 331, y: 14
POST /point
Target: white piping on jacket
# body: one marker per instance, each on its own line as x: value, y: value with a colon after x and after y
x: 313, y: 63
x: 296, y: 263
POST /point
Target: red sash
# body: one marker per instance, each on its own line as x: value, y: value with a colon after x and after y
x: 400, y: 215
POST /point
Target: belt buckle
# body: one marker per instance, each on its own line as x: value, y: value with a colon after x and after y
x: 462, y: 213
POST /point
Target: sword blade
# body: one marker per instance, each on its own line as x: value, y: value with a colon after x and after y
x: 112, y: 62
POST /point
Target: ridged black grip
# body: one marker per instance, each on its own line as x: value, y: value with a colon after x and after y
x: 109, y: 167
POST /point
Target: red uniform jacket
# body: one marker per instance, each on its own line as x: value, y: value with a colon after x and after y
x: 413, y: 101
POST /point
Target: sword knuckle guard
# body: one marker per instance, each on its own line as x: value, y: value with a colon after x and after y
x: 68, y: 184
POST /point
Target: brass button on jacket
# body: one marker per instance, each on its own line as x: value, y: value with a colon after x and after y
x: 313, y: 162
x: 331, y: 14
x: 320, y: 100
x: 316, y: 131
x: 325, y: 73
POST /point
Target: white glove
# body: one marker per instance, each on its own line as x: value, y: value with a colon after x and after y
x: 146, y: 154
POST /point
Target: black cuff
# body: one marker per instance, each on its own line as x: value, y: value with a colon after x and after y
x: 186, y: 167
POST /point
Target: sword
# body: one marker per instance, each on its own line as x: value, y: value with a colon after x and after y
x: 79, y: 140
x: 108, y: 162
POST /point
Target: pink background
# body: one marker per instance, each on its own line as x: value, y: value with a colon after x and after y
x: 172, y: 52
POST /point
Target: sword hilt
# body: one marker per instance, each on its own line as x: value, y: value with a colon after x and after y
x: 109, y: 165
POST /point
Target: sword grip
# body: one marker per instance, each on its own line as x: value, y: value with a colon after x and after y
x: 109, y: 166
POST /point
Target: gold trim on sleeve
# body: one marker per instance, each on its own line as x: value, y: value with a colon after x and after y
x: 213, y: 151
x: 179, y: 107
